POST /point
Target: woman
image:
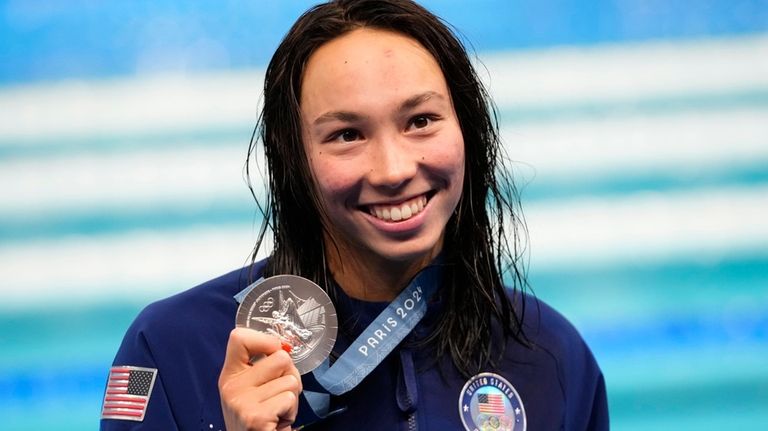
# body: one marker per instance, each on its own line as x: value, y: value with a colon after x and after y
x: 382, y: 154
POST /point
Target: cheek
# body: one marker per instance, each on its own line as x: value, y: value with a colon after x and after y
x: 332, y: 179
x: 449, y: 158
x: 459, y: 156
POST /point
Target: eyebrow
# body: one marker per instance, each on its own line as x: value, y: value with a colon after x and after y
x: 344, y: 116
x: 418, y: 99
x: 351, y: 117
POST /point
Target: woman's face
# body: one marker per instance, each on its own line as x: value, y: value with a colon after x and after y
x: 384, y: 145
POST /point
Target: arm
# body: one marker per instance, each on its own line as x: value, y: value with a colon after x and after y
x: 157, y: 414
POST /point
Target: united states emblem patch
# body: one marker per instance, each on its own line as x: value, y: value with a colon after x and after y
x: 128, y: 392
x: 488, y: 402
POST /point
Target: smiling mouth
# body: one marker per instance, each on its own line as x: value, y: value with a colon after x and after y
x: 399, y: 212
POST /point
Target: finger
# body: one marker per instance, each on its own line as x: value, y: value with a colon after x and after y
x: 284, y: 405
x: 295, y: 372
x: 283, y: 345
x: 271, y: 367
x: 276, y: 386
x: 243, y: 344
x: 272, y: 413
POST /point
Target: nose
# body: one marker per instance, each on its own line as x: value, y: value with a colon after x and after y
x: 392, y: 163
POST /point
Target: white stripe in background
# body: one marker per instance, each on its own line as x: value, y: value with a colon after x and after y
x: 119, y: 180
x: 688, y: 140
x: 149, y: 265
x: 561, y: 75
x: 627, y: 71
x: 159, y: 103
x: 709, y: 224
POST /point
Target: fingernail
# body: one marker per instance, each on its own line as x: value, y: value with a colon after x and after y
x: 286, y: 346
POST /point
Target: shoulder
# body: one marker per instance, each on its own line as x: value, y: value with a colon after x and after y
x: 549, y: 331
x: 547, y: 328
x: 211, y: 294
x: 197, y: 311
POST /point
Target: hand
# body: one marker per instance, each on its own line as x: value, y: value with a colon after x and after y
x: 258, y: 396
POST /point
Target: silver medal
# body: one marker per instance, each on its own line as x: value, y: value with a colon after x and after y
x: 297, y: 311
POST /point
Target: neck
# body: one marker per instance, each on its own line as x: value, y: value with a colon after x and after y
x: 371, y: 278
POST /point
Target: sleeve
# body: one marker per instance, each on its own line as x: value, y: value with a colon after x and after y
x: 598, y: 418
x: 582, y: 381
x: 587, y: 405
x: 135, y: 397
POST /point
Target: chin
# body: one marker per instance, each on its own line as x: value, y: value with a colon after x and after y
x: 410, y: 253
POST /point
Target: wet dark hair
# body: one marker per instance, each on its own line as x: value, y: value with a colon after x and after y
x: 476, y: 249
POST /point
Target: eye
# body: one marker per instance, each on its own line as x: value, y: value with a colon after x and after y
x: 349, y: 135
x: 421, y: 121
x: 346, y: 135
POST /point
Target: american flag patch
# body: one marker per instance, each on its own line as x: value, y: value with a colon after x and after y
x: 490, y: 403
x: 128, y: 391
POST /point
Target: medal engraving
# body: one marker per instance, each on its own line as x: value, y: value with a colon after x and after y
x: 297, y: 311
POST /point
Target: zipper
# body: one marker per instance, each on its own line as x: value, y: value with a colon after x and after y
x: 412, y: 424
x: 406, y: 391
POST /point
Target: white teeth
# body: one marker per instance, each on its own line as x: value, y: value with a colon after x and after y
x: 403, y: 211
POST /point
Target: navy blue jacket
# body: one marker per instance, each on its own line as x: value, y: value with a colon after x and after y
x: 184, y: 337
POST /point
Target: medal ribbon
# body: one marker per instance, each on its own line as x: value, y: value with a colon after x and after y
x: 391, y: 326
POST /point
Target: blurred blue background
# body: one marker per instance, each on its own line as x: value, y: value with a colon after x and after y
x: 638, y: 130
